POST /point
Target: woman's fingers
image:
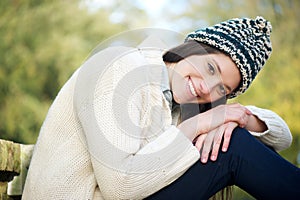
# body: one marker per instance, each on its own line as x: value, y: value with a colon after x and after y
x: 216, y: 143
x: 199, y: 141
x: 227, y: 135
x: 206, y: 147
x: 223, y: 120
x: 210, y: 143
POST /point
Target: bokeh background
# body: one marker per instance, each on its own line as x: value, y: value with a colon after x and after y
x: 42, y: 42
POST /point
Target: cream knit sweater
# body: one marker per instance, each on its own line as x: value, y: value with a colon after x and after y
x: 109, y: 138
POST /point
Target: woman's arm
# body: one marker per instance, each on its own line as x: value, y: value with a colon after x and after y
x: 213, y: 118
x: 270, y: 128
x: 135, y: 151
x: 264, y: 124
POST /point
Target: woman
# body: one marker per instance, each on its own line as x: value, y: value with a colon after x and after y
x: 115, y: 132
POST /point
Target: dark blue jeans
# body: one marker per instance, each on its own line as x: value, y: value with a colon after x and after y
x: 248, y: 164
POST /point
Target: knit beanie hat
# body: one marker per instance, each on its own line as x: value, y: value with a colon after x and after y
x: 246, y: 41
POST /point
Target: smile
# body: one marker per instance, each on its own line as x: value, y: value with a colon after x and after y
x: 192, y: 89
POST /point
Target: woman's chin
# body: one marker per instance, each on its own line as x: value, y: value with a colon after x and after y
x: 185, y: 100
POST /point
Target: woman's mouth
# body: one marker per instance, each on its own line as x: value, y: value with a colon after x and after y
x: 192, y: 89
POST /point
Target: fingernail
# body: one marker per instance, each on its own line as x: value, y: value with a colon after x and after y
x: 224, y: 149
x: 203, y: 160
x: 213, y: 158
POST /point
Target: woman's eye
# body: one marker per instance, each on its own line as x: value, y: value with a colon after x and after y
x: 222, y: 90
x: 211, y: 69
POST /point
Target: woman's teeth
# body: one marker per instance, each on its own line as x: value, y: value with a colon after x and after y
x: 192, y: 89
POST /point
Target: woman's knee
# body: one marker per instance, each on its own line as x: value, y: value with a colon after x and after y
x: 241, y: 139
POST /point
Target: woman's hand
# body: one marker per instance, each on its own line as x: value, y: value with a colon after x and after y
x: 211, y: 141
x: 213, y: 118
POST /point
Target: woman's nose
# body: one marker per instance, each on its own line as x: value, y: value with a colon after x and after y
x: 204, y: 87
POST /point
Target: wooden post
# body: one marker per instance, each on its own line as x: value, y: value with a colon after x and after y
x: 10, y: 165
x: 16, y: 186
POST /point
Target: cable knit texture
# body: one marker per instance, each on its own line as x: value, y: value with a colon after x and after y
x: 278, y: 134
x: 82, y: 149
x: 247, y: 41
x: 108, y: 138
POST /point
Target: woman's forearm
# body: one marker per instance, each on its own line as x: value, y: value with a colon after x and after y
x: 255, y: 124
x: 213, y: 118
x: 277, y: 133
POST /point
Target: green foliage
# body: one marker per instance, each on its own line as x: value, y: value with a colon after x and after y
x: 42, y: 43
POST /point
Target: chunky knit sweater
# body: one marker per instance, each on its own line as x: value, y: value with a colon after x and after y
x: 110, y: 133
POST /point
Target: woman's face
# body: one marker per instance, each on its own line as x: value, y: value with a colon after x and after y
x: 203, y: 78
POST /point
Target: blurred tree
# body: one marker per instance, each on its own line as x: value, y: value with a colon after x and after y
x: 42, y: 42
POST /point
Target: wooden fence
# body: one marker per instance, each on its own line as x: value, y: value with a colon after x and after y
x: 14, y: 163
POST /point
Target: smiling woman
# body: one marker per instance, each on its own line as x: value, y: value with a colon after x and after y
x: 115, y: 130
x: 200, y: 79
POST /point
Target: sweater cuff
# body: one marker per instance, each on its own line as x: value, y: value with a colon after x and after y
x: 268, y: 118
x: 278, y: 134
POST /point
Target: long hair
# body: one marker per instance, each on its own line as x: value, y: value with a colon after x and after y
x: 183, y: 51
x: 189, y: 110
x: 187, y: 49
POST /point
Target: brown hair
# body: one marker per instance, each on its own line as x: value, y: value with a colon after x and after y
x: 175, y: 55
x: 187, y: 49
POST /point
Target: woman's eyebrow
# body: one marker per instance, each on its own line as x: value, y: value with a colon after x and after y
x: 219, y: 69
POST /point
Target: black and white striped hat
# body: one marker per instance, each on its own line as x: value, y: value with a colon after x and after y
x: 246, y: 41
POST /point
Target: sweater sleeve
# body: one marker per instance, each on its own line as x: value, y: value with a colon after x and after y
x: 278, y: 134
x: 135, y: 151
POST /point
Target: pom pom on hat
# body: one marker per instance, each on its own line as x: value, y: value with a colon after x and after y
x: 246, y: 41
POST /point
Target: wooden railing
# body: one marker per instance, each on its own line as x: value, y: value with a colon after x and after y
x: 14, y: 163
